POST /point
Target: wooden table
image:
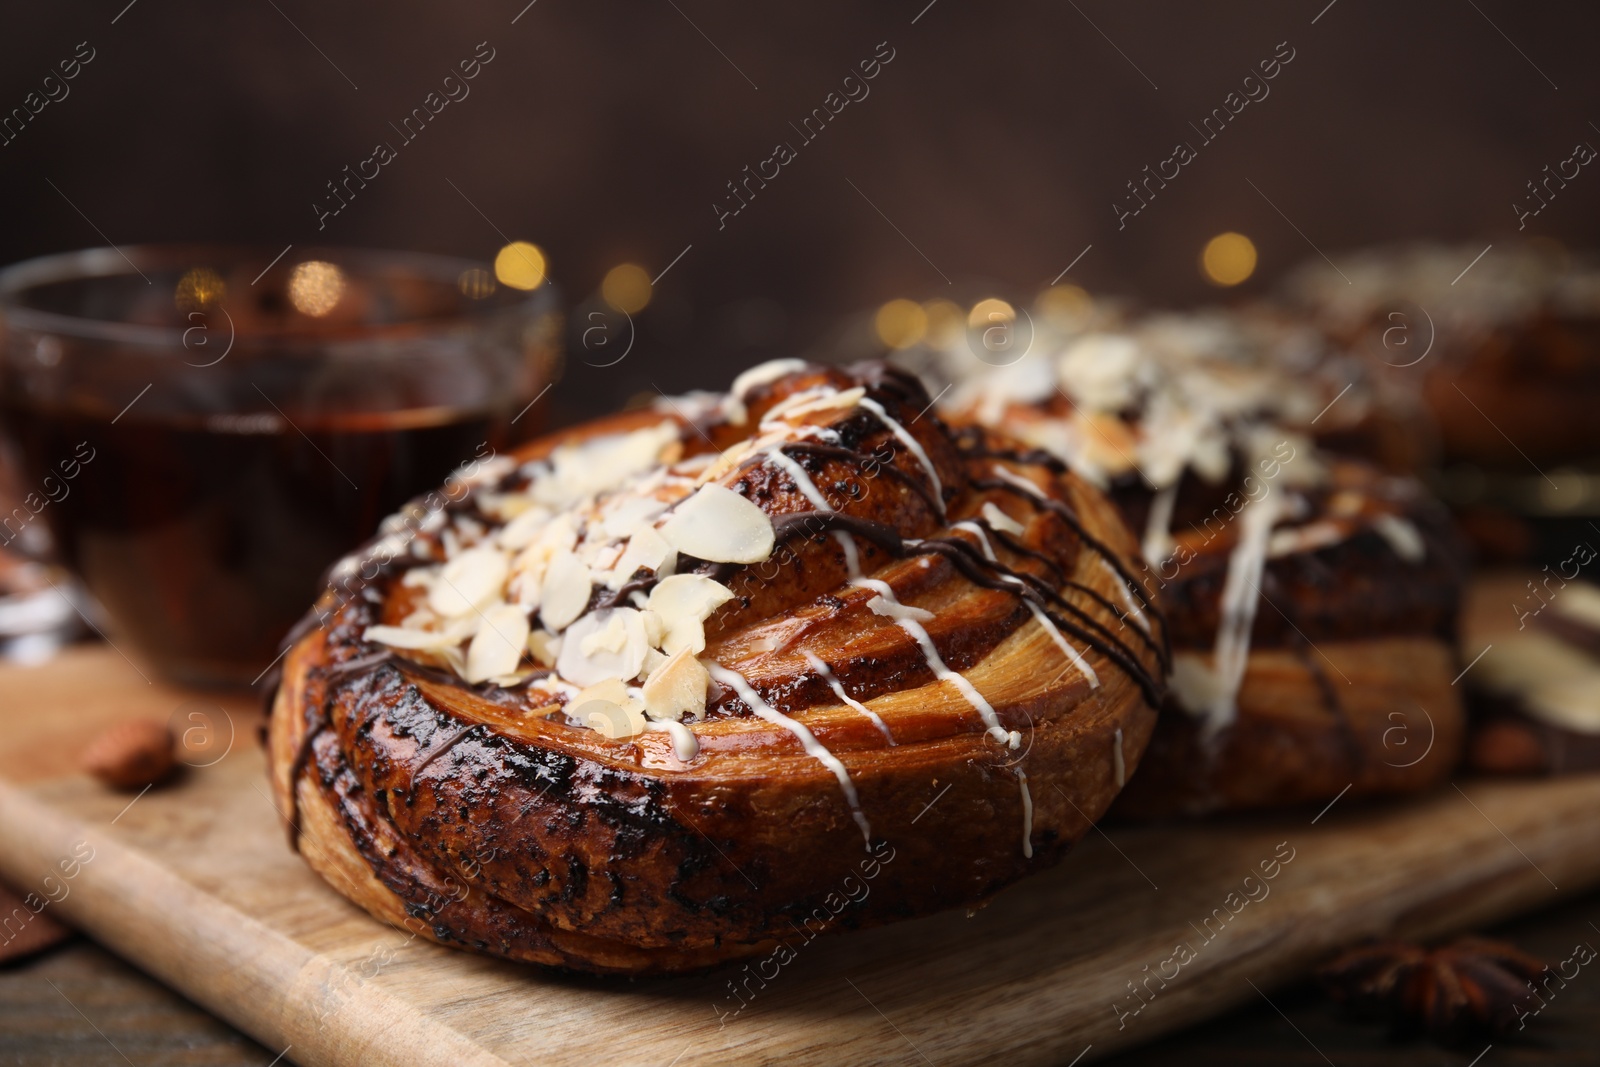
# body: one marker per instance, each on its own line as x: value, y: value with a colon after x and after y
x: 78, y: 1002
x: 68, y: 1007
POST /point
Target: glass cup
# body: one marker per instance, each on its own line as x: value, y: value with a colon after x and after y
x: 203, y: 430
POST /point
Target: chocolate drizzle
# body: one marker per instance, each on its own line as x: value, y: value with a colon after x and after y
x: 1089, y: 539
x: 848, y: 455
x: 986, y: 574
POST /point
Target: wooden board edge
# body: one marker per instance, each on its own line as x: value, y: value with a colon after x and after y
x: 238, y: 968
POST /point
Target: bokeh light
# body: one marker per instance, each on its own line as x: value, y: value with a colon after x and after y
x: 947, y: 323
x: 198, y: 289
x: 991, y: 311
x: 1228, y: 259
x: 627, y: 288
x: 1065, y: 307
x: 900, y: 323
x: 520, y: 265
x: 315, y: 287
x: 476, y: 283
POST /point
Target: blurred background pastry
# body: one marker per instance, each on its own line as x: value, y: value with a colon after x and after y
x: 1312, y: 597
x: 1501, y: 347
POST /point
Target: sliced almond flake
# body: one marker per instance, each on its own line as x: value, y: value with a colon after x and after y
x: 553, y: 685
x: 528, y: 569
x: 567, y: 585
x: 615, y: 721
x: 524, y: 529
x: 725, y: 461
x: 515, y: 678
x: 600, y: 660
x: 600, y: 463
x: 404, y: 637
x: 498, y: 646
x: 489, y: 471
x: 1102, y: 371
x: 469, y: 581
x: 612, y: 637
x: 543, y: 711
x: 684, y: 602
x: 625, y: 513
x: 504, y: 507
x: 895, y: 610
x: 999, y: 520
x: 647, y: 549
x: 453, y: 659
x: 421, y: 619
x: 611, y: 689
x: 811, y: 402
x: 718, y: 525
x: 655, y: 627
x: 653, y: 659
x: 600, y: 557
x: 418, y: 577
x: 677, y: 688
x: 450, y: 541
x: 545, y: 647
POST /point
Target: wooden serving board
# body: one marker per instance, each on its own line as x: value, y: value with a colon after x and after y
x: 194, y: 883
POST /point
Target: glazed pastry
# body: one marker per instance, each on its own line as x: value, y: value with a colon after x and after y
x: 1256, y: 360
x: 1511, y: 334
x: 686, y: 685
x: 1311, y: 599
x: 1535, y: 646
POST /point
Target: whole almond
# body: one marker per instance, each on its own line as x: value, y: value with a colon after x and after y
x: 130, y: 755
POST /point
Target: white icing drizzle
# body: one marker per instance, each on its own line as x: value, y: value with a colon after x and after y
x: 852, y: 558
x: 1061, y: 642
x: 1025, y: 484
x: 808, y: 740
x: 1402, y: 536
x: 911, y: 443
x: 979, y: 532
x: 1158, y: 524
x: 1240, y: 599
x: 1027, y: 814
x: 1135, y: 611
x: 1044, y: 619
x: 1118, y: 764
x: 801, y: 478
x: 827, y: 675
x: 761, y: 374
x: 685, y: 745
x: 940, y: 671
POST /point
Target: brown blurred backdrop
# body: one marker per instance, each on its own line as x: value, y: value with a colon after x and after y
x: 986, y: 156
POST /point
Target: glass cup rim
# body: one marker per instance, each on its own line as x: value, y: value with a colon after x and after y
x: 126, y: 261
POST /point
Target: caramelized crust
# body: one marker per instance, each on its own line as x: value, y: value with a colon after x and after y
x: 1344, y: 615
x: 492, y: 816
x: 1353, y: 717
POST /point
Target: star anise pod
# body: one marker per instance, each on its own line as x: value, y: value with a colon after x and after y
x: 1470, y: 987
